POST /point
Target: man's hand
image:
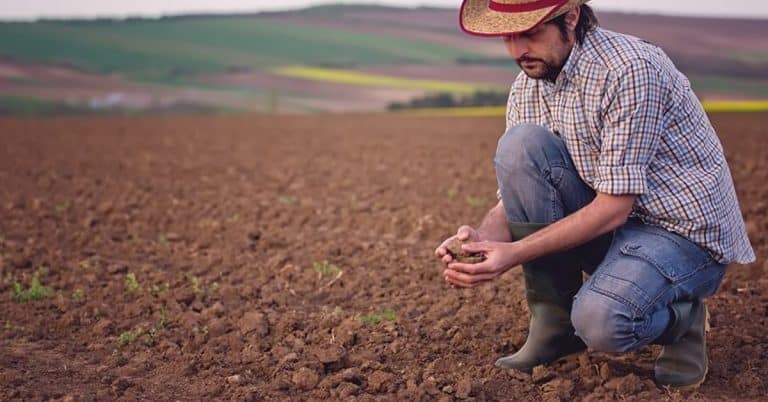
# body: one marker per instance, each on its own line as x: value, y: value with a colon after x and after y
x: 500, y: 257
x: 465, y: 233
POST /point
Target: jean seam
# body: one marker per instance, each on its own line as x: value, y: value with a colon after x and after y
x: 635, y: 308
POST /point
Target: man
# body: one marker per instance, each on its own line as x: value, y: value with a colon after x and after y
x: 609, y: 165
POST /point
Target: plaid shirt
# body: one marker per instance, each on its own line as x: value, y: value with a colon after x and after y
x: 633, y: 125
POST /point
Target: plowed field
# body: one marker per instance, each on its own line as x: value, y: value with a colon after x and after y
x: 290, y: 258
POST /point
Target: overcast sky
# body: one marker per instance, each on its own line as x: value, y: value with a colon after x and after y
x: 31, y: 9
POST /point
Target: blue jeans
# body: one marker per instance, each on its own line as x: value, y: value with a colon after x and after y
x: 636, y: 272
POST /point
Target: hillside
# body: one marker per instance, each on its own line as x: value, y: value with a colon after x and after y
x: 332, y: 58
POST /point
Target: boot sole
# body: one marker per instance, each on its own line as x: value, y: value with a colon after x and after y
x: 529, y: 369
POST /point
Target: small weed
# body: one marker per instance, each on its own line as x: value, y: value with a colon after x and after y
x: 452, y: 193
x: 475, y: 201
x: 8, y: 325
x: 156, y: 290
x: 234, y: 218
x: 326, y: 311
x: 214, y: 287
x: 36, y: 291
x: 131, y: 283
x: 85, y: 264
x: 200, y: 330
x: 373, y: 319
x: 195, y: 284
x: 126, y: 338
x: 325, y: 269
x: 78, y: 295
x: 63, y: 206
x: 286, y: 199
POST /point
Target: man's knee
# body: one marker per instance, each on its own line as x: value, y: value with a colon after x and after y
x: 521, y: 142
x: 601, y: 322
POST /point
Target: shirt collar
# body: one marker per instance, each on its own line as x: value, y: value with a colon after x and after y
x: 570, y: 64
x: 566, y: 73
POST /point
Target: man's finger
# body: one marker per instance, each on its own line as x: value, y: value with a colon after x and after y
x: 472, y: 269
x: 465, y: 280
x: 447, y: 259
x: 477, y: 247
x: 457, y: 284
x: 463, y: 233
x: 440, y: 251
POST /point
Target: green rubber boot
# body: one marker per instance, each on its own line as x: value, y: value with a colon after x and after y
x: 550, y: 284
x: 682, y: 363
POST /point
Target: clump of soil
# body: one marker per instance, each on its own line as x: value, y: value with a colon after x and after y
x: 459, y: 255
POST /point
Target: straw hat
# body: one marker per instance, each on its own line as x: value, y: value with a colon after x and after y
x: 504, y: 17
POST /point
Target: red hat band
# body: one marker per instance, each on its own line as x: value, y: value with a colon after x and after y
x: 523, y: 7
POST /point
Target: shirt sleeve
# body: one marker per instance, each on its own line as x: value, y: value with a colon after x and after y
x: 633, y: 124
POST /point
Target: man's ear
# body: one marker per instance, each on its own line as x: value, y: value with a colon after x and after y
x: 572, y: 18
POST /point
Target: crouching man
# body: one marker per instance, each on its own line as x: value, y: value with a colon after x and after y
x: 610, y: 166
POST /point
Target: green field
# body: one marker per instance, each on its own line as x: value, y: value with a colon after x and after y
x: 166, y: 48
x: 284, y: 62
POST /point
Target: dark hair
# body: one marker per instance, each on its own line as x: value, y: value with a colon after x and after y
x: 587, y: 22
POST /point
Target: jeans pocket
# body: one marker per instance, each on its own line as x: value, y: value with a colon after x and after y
x: 674, y: 257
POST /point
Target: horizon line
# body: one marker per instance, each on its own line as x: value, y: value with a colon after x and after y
x: 235, y: 13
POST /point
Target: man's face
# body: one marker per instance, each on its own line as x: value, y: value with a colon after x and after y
x: 540, y: 52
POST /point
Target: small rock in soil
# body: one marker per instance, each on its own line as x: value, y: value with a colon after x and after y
x: 305, y: 378
x: 628, y: 384
x: 605, y: 371
x: 290, y: 358
x: 379, y: 381
x: 464, y: 388
x: 254, y: 321
x: 558, y: 387
x: 328, y: 355
x: 351, y: 374
x: 347, y: 389
x: 541, y: 374
x: 430, y: 386
x: 103, y: 327
x: 234, y: 379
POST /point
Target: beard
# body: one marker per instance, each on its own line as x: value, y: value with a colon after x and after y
x: 539, y: 69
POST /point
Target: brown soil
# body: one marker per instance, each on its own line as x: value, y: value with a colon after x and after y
x: 459, y: 255
x: 292, y: 258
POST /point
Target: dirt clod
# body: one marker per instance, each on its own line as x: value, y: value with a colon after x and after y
x: 459, y: 255
x: 305, y: 378
x: 254, y: 321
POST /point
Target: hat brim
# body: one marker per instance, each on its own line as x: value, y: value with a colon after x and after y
x: 476, y: 18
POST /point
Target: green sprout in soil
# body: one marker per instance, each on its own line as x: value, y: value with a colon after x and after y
x: 78, y: 295
x: 199, y: 288
x: 156, y: 290
x: 131, y: 283
x: 195, y: 284
x: 127, y: 337
x: 36, y: 291
x: 325, y: 269
x: 373, y: 319
x: 149, y: 337
x: 286, y: 199
x: 475, y: 201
